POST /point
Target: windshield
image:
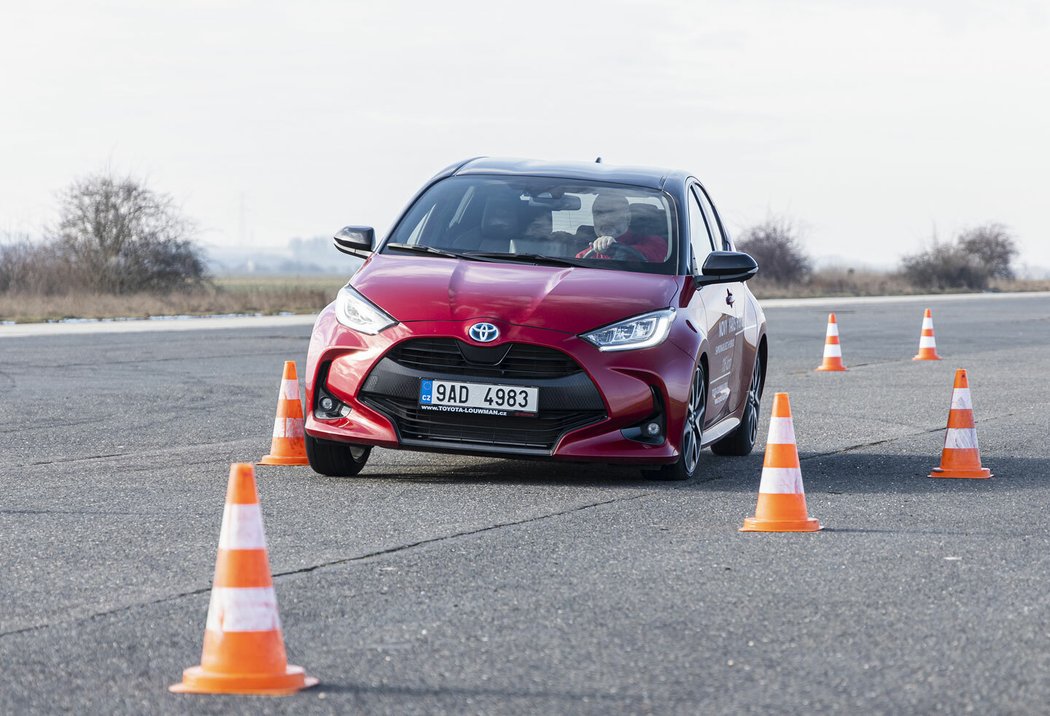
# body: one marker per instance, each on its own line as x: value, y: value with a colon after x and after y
x: 543, y: 220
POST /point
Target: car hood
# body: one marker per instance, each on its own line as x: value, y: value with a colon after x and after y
x: 568, y: 299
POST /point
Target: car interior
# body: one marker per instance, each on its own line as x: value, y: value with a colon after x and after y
x: 504, y: 224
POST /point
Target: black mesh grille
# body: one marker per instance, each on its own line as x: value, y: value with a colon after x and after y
x: 568, y: 397
x: 542, y: 432
x: 513, y: 360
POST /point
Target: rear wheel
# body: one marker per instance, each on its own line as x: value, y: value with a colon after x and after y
x: 336, y: 459
x: 741, y: 441
x: 692, y: 433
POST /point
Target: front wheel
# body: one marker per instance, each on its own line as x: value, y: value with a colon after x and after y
x: 336, y: 459
x: 741, y: 441
x: 692, y: 433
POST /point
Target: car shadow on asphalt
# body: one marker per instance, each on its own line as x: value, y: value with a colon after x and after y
x: 453, y: 692
x: 844, y: 473
x: 838, y: 473
x: 525, y: 472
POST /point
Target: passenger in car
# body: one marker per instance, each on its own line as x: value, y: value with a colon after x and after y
x: 612, y: 224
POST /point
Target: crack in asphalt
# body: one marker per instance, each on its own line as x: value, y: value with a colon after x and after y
x: 898, y: 437
x: 403, y: 547
x: 150, y: 513
x: 152, y: 360
x: 422, y: 691
x: 147, y: 453
x: 329, y: 563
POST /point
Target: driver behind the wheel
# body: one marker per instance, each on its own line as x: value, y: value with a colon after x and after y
x: 612, y: 218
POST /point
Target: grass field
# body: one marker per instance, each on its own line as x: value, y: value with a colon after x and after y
x: 223, y: 295
x: 309, y: 294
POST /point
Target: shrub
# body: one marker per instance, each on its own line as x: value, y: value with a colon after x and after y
x: 38, y: 269
x: 977, y: 256
x: 993, y: 246
x: 775, y: 245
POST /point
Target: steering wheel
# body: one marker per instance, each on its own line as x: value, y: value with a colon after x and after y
x: 618, y: 251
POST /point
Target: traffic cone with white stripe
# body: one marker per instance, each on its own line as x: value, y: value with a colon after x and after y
x: 243, y: 647
x: 781, y: 499
x: 961, y: 456
x: 288, y: 446
x: 832, y: 348
x: 927, y: 343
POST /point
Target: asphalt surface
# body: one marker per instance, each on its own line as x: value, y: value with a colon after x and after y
x: 464, y: 585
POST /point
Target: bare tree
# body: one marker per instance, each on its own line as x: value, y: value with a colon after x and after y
x: 122, y: 236
x: 777, y: 248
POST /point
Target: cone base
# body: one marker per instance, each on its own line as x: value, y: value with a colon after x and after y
x: 974, y: 473
x: 753, y: 524
x: 922, y: 357
x: 281, y: 460
x: 831, y: 368
x: 195, y: 680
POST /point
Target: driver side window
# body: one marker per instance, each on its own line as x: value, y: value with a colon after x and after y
x: 699, y: 234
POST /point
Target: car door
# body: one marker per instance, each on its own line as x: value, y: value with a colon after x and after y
x: 721, y: 314
x: 734, y: 300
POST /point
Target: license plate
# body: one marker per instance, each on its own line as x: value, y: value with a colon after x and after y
x: 478, y: 398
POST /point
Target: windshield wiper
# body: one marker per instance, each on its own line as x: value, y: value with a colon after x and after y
x: 532, y: 259
x: 416, y: 248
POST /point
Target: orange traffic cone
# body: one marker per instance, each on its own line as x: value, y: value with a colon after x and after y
x: 288, y: 446
x: 927, y: 343
x: 781, y: 499
x: 961, y: 457
x: 243, y: 647
x: 832, y: 349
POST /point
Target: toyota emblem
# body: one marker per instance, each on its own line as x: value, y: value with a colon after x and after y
x: 483, y: 332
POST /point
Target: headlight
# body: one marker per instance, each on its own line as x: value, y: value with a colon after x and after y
x: 355, y: 311
x: 643, y: 331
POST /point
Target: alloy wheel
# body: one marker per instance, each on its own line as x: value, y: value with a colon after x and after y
x: 754, y: 397
x: 696, y: 409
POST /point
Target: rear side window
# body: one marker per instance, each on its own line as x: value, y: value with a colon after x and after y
x: 700, y: 239
x: 717, y: 231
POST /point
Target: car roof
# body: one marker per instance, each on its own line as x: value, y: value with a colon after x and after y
x: 651, y: 177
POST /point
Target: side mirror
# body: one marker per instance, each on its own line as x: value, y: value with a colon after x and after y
x: 356, y: 240
x: 727, y: 267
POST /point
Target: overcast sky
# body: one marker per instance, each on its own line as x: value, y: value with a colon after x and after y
x: 871, y: 123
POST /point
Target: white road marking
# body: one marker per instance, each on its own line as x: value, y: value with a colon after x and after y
x: 861, y: 300
x: 193, y: 323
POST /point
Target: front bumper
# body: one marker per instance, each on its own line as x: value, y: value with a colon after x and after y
x: 588, y: 399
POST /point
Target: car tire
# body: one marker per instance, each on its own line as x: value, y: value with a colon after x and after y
x: 336, y: 459
x: 692, y: 433
x: 741, y: 441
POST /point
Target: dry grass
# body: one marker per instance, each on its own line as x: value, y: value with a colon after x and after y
x: 309, y: 294
x: 266, y: 295
x: 847, y: 282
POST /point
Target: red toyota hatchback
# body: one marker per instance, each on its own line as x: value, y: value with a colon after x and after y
x: 568, y: 311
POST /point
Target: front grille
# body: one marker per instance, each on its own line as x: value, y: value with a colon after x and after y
x: 568, y: 397
x: 539, y: 433
x: 511, y: 360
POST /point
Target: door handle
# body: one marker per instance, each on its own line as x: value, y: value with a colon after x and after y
x: 729, y: 297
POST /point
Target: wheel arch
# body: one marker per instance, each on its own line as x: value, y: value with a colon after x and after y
x: 763, y: 355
